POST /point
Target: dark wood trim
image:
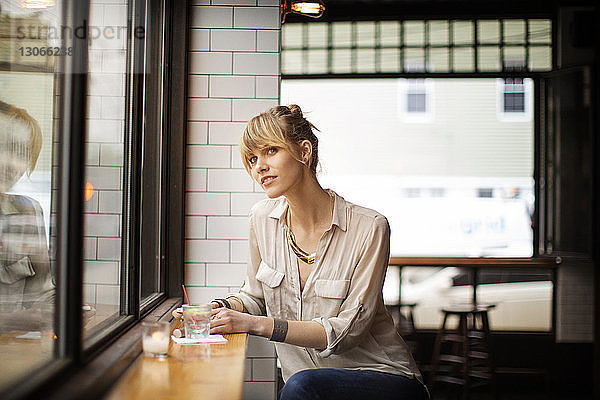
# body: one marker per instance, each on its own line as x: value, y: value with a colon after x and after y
x: 176, y: 133
x: 596, y: 208
x: 537, y: 262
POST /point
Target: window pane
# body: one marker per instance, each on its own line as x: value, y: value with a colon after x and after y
x: 416, y: 102
x: 365, y: 34
x: 317, y: 35
x: 390, y: 33
x: 28, y: 78
x: 365, y: 59
x: 390, y: 60
x: 341, y: 61
x: 540, y: 58
x: 514, y: 58
x: 514, y: 102
x: 489, y: 58
x: 292, y: 61
x: 292, y: 36
x: 103, y: 175
x: 540, y: 31
x: 463, y: 60
x: 414, y: 60
x: 317, y: 61
x: 342, y: 34
x: 438, y: 32
x: 438, y: 60
x: 414, y: 33
x: 462, y: 32
x: 488, y: 32
x: 514, y: 31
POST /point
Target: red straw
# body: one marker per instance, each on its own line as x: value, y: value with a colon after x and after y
x: 185, y: 294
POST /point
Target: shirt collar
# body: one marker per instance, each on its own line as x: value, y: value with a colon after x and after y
x: 339, y: 210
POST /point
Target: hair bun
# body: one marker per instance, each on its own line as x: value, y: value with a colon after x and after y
x: 295, y: 110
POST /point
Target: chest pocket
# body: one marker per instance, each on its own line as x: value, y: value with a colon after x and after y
x: 330, y: 295
x: 12, y: 284
x: 271, y: 282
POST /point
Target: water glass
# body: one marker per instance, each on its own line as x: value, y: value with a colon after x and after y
x: 196, y: 320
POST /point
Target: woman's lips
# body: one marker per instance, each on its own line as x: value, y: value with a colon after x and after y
x: 268, y: 180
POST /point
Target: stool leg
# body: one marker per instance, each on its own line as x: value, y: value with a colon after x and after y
x: 436, y: 352
x: 464, y: 332
x: 485, y: 323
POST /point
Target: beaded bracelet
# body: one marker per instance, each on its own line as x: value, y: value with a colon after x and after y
x: 223, y: 303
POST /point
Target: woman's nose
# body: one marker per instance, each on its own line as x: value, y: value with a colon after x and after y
x: 261, y: 165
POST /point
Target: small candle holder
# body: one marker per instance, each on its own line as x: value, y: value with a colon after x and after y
x: 155, y: 338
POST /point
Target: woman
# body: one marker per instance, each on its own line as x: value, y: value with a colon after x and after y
x: 315, y: 275
x: 26, y: 281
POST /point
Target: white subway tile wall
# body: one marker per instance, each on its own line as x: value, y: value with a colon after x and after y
x: 233, y: 75
x: 104, y: 161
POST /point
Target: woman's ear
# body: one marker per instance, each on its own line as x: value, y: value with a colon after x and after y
x: 306, y: 148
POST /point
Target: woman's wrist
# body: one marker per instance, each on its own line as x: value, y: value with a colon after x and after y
x: 236, y: 304
x: 261, y: 326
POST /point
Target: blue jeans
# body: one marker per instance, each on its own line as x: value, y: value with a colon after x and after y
x: 345, y: 384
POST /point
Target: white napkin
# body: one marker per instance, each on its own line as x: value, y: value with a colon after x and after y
x: 209, y: 339
x: 35, y: 335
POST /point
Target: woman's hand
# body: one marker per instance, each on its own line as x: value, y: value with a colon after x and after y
x: 224, y: 320
x: 178, y: 314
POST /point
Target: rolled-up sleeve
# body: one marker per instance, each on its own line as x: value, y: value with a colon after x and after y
x: 251, y: 292
x: 358, y: 309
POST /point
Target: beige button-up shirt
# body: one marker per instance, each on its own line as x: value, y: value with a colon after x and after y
x: 343, y: 292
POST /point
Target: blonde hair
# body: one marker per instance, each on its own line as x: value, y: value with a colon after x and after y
x: 19, y: 115
x: 281, y: 126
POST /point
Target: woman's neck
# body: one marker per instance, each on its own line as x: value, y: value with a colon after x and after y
x: 310, y: 206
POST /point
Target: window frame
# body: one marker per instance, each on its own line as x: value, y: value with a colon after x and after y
x: 404, y: 90
x: 528, y: 101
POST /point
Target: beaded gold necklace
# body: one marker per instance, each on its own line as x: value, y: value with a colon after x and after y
x: 301, y: 254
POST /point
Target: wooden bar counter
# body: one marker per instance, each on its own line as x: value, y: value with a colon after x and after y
x: 206, y: 371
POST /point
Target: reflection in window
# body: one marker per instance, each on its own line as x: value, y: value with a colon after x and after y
x: 27, y: 115
x: 104, y: 164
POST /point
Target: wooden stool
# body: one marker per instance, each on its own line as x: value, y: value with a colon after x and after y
x: 463, y: 357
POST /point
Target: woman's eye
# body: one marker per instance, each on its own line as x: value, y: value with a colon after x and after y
x: 252, y: 160
x: 272, y: 150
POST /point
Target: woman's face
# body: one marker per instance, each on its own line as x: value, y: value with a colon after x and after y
x: 275, y: 170
x: 14, y: 152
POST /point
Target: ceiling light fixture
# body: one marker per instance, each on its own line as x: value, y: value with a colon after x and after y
x: 308, y: 8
